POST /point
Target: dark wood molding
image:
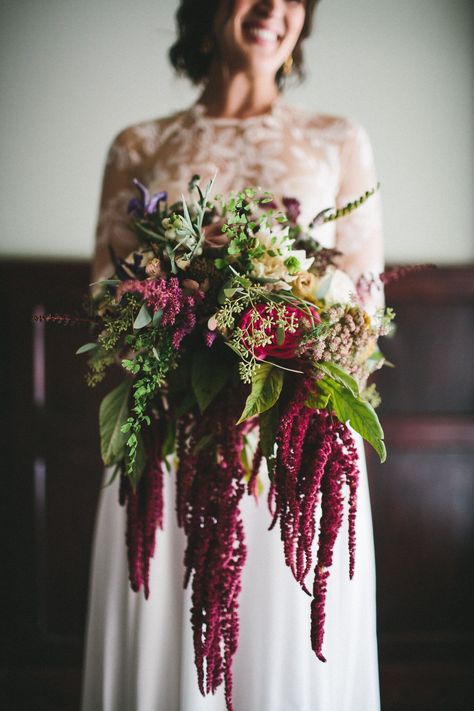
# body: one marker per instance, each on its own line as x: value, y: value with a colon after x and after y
x: 422, y: 432
x: 441, y: 285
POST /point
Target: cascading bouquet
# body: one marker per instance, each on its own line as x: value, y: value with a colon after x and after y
x: 230, y: 318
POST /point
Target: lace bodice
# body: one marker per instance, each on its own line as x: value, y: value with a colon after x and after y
x: 319, y: 159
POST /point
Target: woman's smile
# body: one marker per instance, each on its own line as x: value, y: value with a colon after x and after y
x: 262, y: 34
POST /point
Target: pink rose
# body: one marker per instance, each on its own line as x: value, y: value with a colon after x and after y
x: 249, y: 323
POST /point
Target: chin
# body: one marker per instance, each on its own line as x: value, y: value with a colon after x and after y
x: 261, y: 59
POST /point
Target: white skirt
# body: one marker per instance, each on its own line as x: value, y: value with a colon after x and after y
x: 139, y: 653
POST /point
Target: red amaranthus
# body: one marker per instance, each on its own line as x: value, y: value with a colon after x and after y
x: 144, y: 506
x: 209, y: 490
x: 316, y: 458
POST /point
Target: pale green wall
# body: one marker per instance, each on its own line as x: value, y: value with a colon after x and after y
x: 74, y: 72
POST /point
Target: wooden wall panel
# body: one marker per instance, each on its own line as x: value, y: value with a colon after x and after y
x: 433, y: 371
x: 422, y: 496
x: 51, y: 473
x: 422, y: 507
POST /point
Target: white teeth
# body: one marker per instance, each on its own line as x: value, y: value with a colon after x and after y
x: 261, y: 33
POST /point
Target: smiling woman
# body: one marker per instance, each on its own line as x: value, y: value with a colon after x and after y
x: 140, y: 653
x: 196, y: 44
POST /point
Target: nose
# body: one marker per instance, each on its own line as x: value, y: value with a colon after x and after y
x: 274, y: 8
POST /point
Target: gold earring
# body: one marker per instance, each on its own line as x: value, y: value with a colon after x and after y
x: 207, y: 45
x: 288, y: 66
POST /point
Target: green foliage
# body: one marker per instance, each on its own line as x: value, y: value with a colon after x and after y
x: 179, y: 379
x: 155, y: 357
x: 112, y: 477
x: 352, y: 409
x: 98, y: 364
x: 267, y: 383
x: 340, y: 375
x: 241, y: 227
x: 268, y: 423
x: 208, y: 376
x: 185, y: 404
x: 170, y: 439
x: 113, y: 414
x: 135, y: 458
x: 317, y: 401
x: 118, y: 322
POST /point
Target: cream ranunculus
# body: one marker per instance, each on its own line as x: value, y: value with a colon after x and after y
x: 305, y: 286
x: 336, y: 287
x: 279, y: 261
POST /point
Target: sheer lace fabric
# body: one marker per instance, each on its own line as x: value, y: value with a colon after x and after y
x: 321, y: 160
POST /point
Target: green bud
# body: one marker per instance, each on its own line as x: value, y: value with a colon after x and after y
x: 293, y: 265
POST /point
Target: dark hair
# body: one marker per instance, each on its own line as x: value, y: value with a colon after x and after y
x: 193, y: 19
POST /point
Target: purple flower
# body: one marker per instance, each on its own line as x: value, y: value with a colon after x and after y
x: 145, y: 204
x: 293, y: 209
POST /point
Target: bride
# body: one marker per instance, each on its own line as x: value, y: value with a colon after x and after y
x: 139, y: 653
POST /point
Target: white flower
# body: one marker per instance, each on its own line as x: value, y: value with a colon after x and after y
x: 336, y: 287
x: 279, y: 261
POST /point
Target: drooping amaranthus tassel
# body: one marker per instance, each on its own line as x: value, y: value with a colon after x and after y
x: 317, y: 448
x: 290, y: 437
x: 352, y: 478
x: 316, y: 458
x: 144, y: 507
x: 332, y: 502
x: 341, y: 469
x: 215, y: 553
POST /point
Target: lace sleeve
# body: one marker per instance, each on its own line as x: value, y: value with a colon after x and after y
x: 359, y: 234
x: 113, y: 228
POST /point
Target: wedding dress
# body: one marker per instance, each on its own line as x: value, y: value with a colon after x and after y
x: 139, y: 653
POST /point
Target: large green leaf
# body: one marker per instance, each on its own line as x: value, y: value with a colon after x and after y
x: 268, y: 422
x: 185, y: 404
x: 208, y: 376
x: 179, y: 378
x: 357, y: 412
x: 169, y: 443
x: 113, y: 414
x: 267, y: 383
x: 316, y: 400
x: 337, y: 373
